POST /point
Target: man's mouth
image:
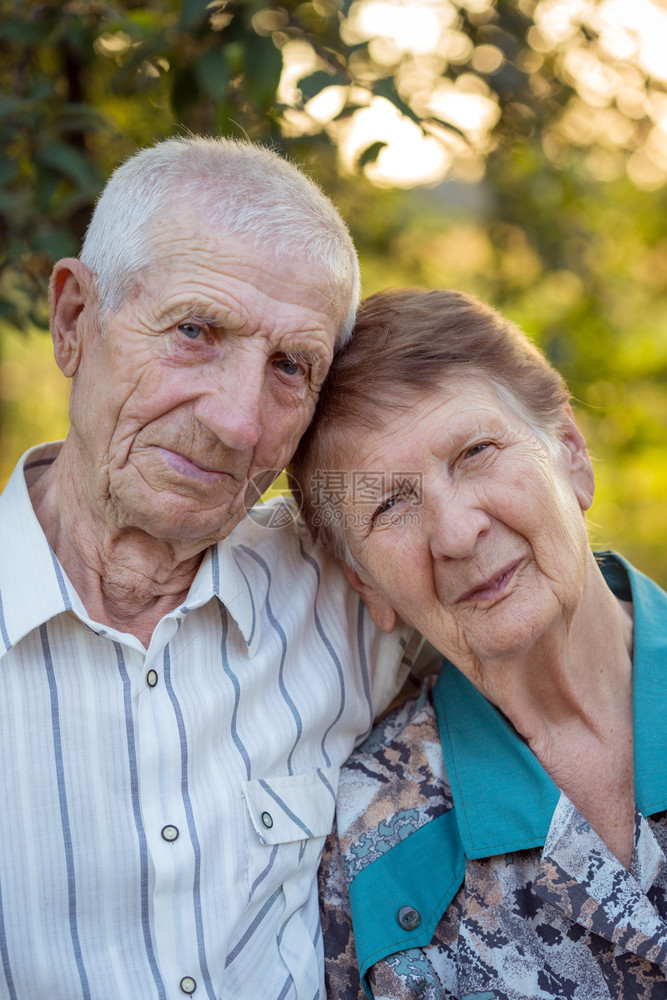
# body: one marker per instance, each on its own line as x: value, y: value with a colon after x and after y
x: 194, y: 468
x: 492, y: 587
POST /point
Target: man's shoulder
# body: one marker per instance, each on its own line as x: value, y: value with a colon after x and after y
x: 274, y: 530
x: 294, y: 581
x: 31, y: 586
x: 18, y: 524
x: 271, y: 556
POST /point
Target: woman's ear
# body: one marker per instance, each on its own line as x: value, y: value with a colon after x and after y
x: 379, y: 608
x: 70, y: 291
x: 577, y: 458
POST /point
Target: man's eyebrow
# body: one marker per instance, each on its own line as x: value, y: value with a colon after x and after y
x: 313, y: 354
x: 300, y: 346
x: 194, y: 309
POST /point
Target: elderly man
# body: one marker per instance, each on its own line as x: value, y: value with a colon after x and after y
x: 177, y: 695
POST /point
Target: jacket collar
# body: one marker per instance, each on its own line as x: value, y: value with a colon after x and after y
x: 579, y: 875
x: 504, y: 798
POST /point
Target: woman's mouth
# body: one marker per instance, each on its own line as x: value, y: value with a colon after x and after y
x: 491, y: 588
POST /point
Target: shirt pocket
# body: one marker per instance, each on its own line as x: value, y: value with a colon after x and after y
x: 287, y: 819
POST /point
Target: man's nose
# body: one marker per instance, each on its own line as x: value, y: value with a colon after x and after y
x: 231, y: 405
x: 456, y: 521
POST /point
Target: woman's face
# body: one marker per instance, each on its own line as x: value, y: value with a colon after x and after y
x: 465, y: 524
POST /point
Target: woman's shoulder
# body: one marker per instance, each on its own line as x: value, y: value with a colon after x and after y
x: 395, y: 815
x: 394, y: 783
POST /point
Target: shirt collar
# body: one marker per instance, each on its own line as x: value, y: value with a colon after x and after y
x: 220, y: 574
x: 34, y: 587
x: 503, y: 796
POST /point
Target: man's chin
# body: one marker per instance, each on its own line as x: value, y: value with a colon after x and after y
x: 180, y: 521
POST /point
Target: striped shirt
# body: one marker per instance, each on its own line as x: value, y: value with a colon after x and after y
x: 164, y: 810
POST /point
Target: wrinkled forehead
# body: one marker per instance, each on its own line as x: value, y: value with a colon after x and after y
x: 381, y: 440
x: 186, y: 235
x: 185, y: 231
x: 380, y: 422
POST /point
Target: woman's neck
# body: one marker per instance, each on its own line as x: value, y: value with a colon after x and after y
x: 579, y: 673
x: 571, y: 699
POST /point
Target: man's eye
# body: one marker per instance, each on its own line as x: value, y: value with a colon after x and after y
x: 288, y: 366
x: 191, y: 330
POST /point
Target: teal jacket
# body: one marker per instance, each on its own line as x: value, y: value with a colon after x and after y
x: 503, y: 800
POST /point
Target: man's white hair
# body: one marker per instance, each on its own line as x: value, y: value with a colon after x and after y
x: 241, y: 188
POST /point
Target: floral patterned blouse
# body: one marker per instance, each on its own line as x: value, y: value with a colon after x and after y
x: 459, y: 870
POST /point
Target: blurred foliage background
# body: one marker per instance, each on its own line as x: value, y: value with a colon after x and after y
x: 517, y: 150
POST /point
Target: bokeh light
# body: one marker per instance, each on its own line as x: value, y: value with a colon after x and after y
x: 611, y: 52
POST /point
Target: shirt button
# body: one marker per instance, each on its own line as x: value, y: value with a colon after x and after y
x: 170, y: 833
x: 409, y: 918
x: 267, y: 820
x: 151, y: 678
x: 188, y: 984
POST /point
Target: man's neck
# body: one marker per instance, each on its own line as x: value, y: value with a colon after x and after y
x: 125, y: 578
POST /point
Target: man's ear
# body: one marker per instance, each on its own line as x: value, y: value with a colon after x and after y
x: 577, y: 459
x: 70, y: 290
x: 379, y: 608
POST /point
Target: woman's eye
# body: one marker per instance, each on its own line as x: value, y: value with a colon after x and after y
x: 476, y: 449
x: 389, y: 512
x: 408, y: 492
x: 385, y: 507
x: 191, y: 330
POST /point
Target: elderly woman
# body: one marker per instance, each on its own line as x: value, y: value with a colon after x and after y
x: 502, y: 835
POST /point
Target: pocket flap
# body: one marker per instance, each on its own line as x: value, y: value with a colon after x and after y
x: 292, y: 807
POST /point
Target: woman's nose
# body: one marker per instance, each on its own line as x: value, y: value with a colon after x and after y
x: 455, y: 523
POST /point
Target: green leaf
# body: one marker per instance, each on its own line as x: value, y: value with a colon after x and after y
x: 387, y: 88
x: 312, y: 85
x: 54, y: 241
x: 141, y: 19
x: 10, y: 105
x: 370, y: 154
x: 263, y: 67
x: 192, y: 13
x: 8, y: 171
x: 81, y: 118
x: 10, y: 312
x: 212, y: 72
x: 69, y: 162
x: 26, y: 32
x: 443, y: 123
x: 184, y: 89
x: 47, y: 183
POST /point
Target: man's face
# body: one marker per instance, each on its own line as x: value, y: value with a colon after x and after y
x: 206, y: 377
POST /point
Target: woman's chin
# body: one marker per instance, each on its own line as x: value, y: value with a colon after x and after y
x: 494, y: 637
